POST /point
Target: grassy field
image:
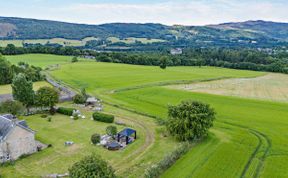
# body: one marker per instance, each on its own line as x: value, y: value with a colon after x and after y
x: 129, y: 162
x: 61, y: 41
x: 249, y: 138
x: 6, y: 89
x: 272, y: 87
x: 39, y: 60
x: 98, y: 77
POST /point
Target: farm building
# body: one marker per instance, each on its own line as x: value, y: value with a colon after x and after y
x: 16, y: 138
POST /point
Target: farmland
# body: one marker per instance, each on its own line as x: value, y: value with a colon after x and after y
x: 272, y: 87
x: 249, y: 137
x: 39, y: 60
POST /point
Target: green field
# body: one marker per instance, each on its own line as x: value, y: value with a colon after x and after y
x: 39, y: 60
x: 6, y: 89
x: 249, y: 138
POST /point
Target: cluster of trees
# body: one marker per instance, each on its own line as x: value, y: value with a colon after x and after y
x: 242, y: 58
x: 22, y: 90
x: 8, y: 71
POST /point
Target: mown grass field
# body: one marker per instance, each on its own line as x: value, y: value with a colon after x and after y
x: 129, y: 162
x: 249, y: 138
x: 272, y: 87
x: 107, y: 77
x: 6, y: 89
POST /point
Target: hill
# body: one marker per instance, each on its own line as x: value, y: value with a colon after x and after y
x: 248, y: 33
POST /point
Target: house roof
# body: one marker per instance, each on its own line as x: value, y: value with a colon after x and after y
x: 127, y: 132
x: 7, y: 124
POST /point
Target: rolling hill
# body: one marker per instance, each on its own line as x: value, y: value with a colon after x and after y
x: 242, y: 33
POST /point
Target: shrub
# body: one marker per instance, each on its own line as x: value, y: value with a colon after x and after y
x: 65, y: 111
x: 95, y: 138
x: 79, y: 99
x: 49, y: 119
x: 74, y: 59
x: 111, y: 130
x: 97, y: 116
x: 44, y: 116
x: 91, y: 166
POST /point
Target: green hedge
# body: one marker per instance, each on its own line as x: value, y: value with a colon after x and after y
x: 65, y: 111
x: 97, y: 116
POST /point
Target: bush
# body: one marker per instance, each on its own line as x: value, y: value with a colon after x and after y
x: 111, y: 130
x: 65, y: 111
x: 49, y: 119
x: 95, y: 139
x: 74, y: 59
x: 44, y: 116
x: 91, y: 166
x: 97, y: 116
x: 79, y: 99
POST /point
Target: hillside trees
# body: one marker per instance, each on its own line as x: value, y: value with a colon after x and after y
x: 190, y: 120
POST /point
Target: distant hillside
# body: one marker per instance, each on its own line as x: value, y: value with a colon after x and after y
x: 244, y: 33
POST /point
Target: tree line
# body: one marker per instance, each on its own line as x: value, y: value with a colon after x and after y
x: 242, y: 58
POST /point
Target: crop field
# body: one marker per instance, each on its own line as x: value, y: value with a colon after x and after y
x: 61, y: 41
x: 272, y: 87
x: 6, y: 89
x: 249, y: 137
x: 39, y: 60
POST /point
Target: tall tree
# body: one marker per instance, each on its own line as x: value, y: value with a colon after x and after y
x: 6, y: 73
x: 190, y: 120
x: 93, y: 167
x: 22, y: 90
x: 47, y: 97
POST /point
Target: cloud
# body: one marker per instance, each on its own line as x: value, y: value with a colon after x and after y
x: 186, y: 12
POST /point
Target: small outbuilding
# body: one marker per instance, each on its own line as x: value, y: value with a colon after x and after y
x: 126, y: 134
x: 91, y: 101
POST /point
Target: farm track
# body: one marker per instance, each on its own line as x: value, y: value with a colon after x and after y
x: 260, y: 136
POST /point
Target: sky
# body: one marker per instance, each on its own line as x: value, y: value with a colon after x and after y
x: 181, y: 12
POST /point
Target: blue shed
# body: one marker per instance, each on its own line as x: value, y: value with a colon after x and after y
x: 127, y: 132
